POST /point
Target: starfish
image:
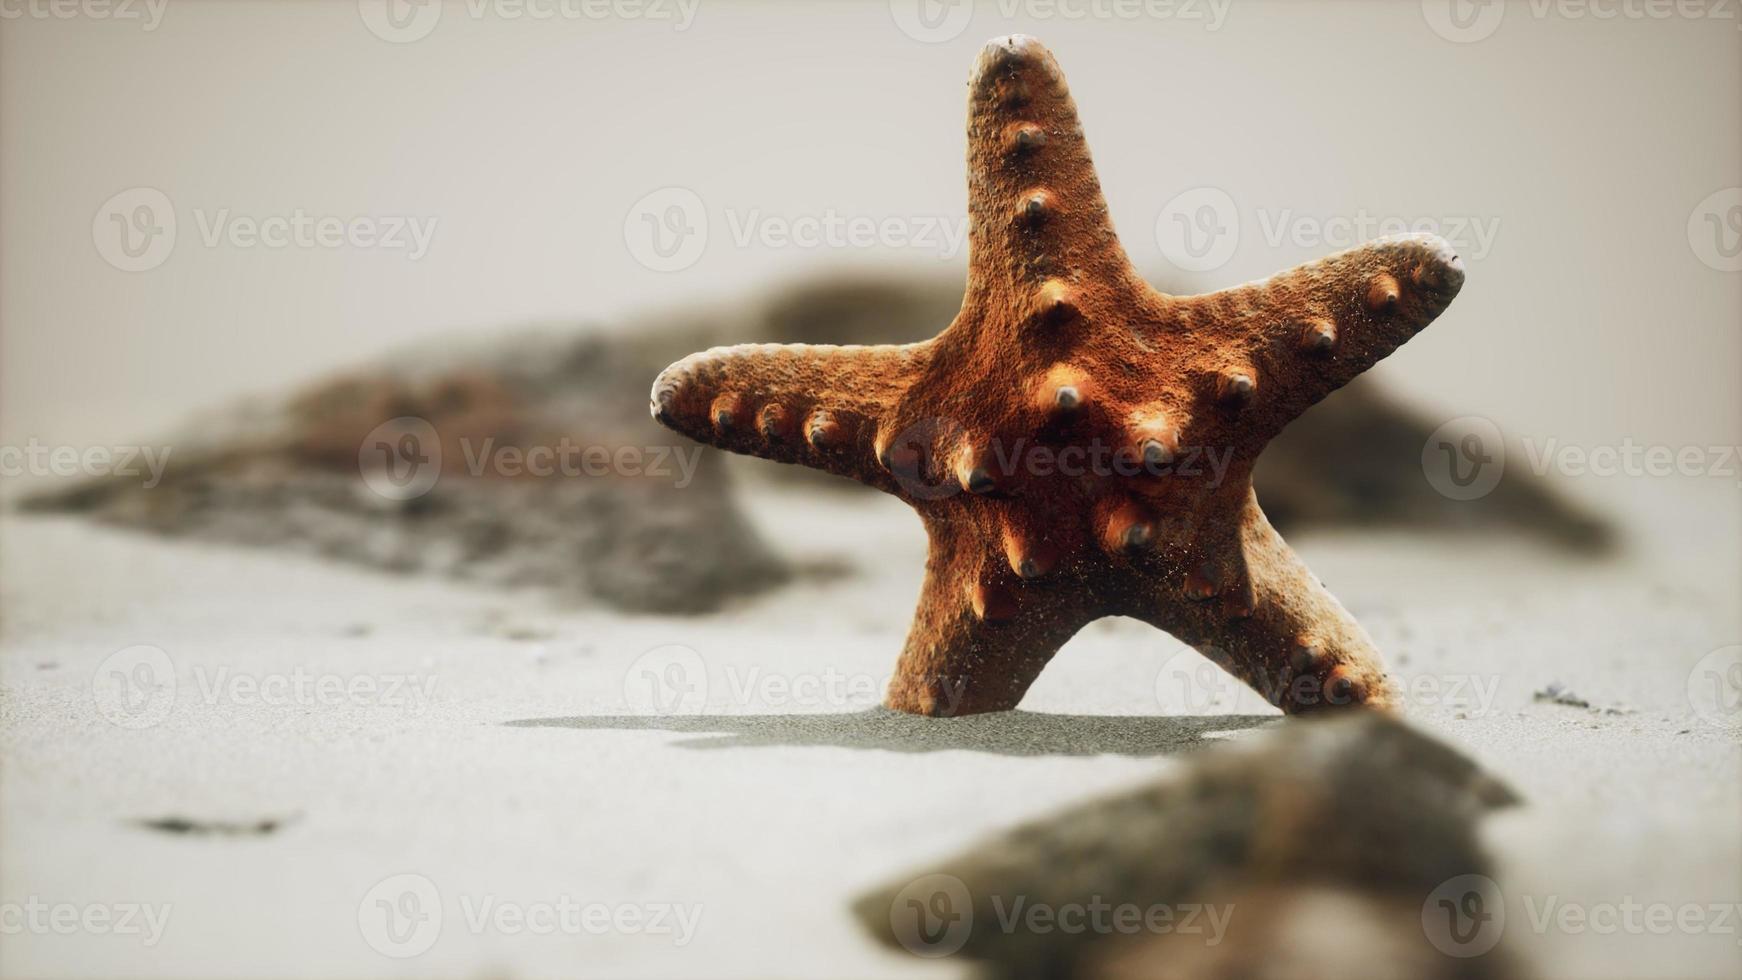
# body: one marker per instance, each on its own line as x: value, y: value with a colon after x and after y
x: 1077, y: 443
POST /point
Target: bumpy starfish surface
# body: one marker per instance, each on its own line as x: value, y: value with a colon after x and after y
x: 1078, y: 444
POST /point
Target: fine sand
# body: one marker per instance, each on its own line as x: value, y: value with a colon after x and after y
x: 511, y: 751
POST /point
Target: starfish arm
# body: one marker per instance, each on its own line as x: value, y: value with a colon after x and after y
x: 1256, y: 610
x: 1035, y: 207
x: 977, y: 641
x: 1300, y: 335
x: 817, y: 405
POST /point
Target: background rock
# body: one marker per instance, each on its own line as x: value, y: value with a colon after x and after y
x: 287, y: 474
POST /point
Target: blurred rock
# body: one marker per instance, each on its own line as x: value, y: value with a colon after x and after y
x: 1319, y: 842
x: 620, y: 511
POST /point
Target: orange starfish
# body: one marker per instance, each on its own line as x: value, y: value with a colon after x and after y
x: 1078, y: 444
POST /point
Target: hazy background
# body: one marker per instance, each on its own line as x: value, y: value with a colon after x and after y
x: 1606, y: 310
x: 1584, y: 143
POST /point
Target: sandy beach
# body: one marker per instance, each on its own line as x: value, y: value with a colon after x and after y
x: 516, y: 754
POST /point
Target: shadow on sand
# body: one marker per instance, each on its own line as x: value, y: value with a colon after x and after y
x: 1003, y: 733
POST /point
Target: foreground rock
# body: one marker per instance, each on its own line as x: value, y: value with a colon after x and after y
x: 1309, y: 851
